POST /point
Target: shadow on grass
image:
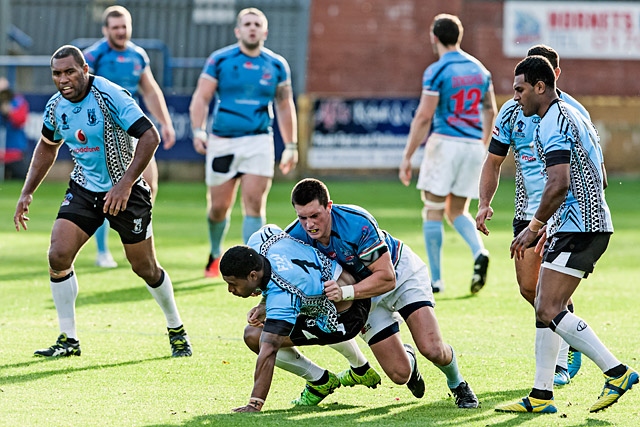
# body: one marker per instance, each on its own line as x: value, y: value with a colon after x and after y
x: 62, y: 369
x: 139, y: 292
x: 436, y: 413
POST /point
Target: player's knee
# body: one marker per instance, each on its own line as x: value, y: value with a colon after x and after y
x: 148, y: 270
x: 252, y: 338
x: 432, y: 211
x: 59, y: 264
x: 436, y: 352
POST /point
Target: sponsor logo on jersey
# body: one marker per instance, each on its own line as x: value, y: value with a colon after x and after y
x: 496, y: 131
x: 81, y: 137
x: 528, y: 158
x: 250, y: 66
x: 76, y: 110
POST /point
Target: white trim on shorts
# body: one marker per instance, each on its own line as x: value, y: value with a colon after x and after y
x: 564, y: 270
x: 252, y: 155
x: 412, y: 285
x: 451, y: 165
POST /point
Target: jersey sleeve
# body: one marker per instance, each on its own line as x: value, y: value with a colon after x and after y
x: 429, y: 84
x: 49, y: 130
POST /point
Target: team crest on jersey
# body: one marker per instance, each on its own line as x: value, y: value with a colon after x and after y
x: 65, y: 122
x: 81, y: 137
x: 67, y: 199
x: 496, y: 131
x: 137, y: 225
x: 92, y: 120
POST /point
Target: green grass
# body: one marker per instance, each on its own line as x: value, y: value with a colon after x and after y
x: 125, y: 377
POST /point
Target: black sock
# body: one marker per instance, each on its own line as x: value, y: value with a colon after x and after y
x: 323, y: 379
x: 541, y: 394
x: 361, y: 370
x: 617, y: 371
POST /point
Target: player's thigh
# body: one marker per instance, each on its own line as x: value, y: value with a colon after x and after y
x: 67, y: 239
x: 255, y: 189
x: 527, y: 270
x: 393, y: 358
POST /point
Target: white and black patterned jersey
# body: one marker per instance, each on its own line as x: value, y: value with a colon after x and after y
x: 97, y: 131
x: 564, y: 135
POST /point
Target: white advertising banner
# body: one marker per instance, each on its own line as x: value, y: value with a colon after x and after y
x: 586, y: 30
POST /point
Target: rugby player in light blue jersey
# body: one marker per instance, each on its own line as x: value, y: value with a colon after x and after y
x: 514, y: 130
x: 457, y: 106
x: 295, y: 281
x: 578, y: 233
x: 392, y: 275
x: 97, y: 120
x: 245, y: 79
x: 119, y: 60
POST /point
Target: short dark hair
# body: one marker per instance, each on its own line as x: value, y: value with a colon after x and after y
x: 114, y: 12
x: 308, y: 190
x: 536, y: 69
x: 547, y: 52
x: 239, y: 261
x: 447, y: 28
x: 69, y: 50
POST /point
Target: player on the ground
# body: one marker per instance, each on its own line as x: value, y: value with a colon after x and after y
x: 294, y: 280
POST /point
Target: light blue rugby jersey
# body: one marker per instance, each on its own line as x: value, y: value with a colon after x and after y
x: 513, y: 129
x: 121, y: 67
x: 356, y: 240
x: 461, y: 81
x: 95, y: 131
x: 298, y: 273
x: 246, y: 89
x: 564, y: 129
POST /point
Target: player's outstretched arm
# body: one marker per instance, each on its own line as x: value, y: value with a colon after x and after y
x: 269, y: 346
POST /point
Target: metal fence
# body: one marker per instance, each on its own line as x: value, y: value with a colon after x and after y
x: 190, y: 29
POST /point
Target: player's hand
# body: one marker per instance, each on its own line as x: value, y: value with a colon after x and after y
x: 115, y: 201
x: 289, y: 158
x: 168, y: 136
x: 483, y: 215
x: 542, y: 241
x: 20, y: 218
x: 246, y: 408
x: 521, y: 242
x: 405, y: 172
x: 333, y: 291
x: 256, y: 316
x: 200, y: 138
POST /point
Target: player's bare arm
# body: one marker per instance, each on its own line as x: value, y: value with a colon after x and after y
x: 489, y: 180
x: 44, y: 155
x: 489, y: 112
x: 155, y: 102
x: 418, y: 131
x: 288, y: 125
x: 269, y: 346
x: 199, y: 110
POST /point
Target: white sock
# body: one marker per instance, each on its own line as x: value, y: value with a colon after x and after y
x: 547, y: 346
x: 351, y: 352
x: 563, y: 355
x: 64, y: 297
x: 163, y: 295
x: 580, y: 336
x: 291, y: 360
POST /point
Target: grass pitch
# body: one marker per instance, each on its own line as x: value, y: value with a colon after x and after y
x: 125, y: 376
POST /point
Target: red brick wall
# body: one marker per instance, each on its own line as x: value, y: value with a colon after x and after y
x: 380, y: 48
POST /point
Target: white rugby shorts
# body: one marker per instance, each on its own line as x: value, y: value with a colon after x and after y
x: 451, y: 165
x: 228, y: 157
x: 412, y: 285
